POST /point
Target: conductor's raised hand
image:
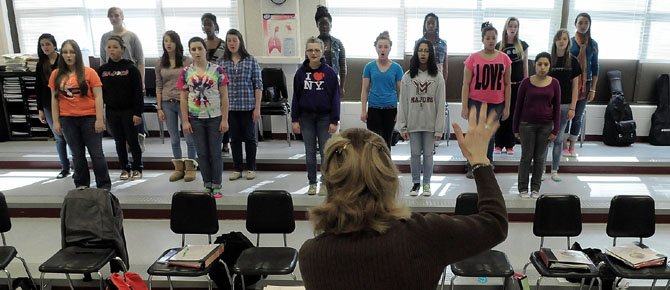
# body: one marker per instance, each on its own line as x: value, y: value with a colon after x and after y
x: 481, y: 128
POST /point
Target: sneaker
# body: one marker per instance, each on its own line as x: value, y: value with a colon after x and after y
x: 136, y: 174
x: 140, y: 138
x: 225, y: 150
x: 426, y: 190
x: 216, y: 192
x: 235, y: 175
x: 510, y: 151
x: 497, y: 150
x: 524, y: 194
x: 124, y: 175
x: 566, y: 153
x: 534, y: 194
x: 415, y: 189
x: 572, y: 153
x: 555, y: 177
x: 323, y: 191
x: 469, y: 174
x: 542, y: 178
x: 250, y: 174
x: 312, y: 189
x: 63, y: 173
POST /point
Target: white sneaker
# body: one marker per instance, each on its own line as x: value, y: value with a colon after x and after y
x: 415, y: 189
x: 312, y: 189
x: 534, y: 194
x: 250, y: 174
x: 235, y: 175
x: 524, y: 194
x: 426, y: 190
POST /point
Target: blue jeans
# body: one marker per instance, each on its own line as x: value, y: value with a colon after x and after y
x: 172, y: 117
x: 242, y: 129
x: 498, y: 108
x: 125, y: 132
x: 421, y: 142
x: 61, y: 145
x: 80, y: 135
x: 207, y: 139
x: 534, y: 142
x: 576, y: 124
x: 558, y: 142
x: 313, y: 126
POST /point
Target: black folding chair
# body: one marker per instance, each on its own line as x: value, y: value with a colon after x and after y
x: 8, y: 253
x: 268, y: 212
x: 633, y: 216
x: 490, y: 263
x: 191, y: 213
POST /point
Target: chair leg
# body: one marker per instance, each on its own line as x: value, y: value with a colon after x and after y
x: 444, y: 277
x: 170, y: 282
x: 452, y: 282
x: 100, y: 279
x: 25, y: 266
x: 9, y: 278
x: 581, y: 283
x: 209, y: 282
x: 149, y: 281
x: 42, y: 280
x: 69, y: 281
x: 244, y: 287
x: 505, y: 283
x: 232, y: 282
x: 667, y: 285
x: 653, y: 284
x: 537, y: 283
x: 525, y: 267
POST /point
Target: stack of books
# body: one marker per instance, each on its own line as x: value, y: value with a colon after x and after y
x: 565, y: 259
x: 194, y: 256
x: 637, y: 255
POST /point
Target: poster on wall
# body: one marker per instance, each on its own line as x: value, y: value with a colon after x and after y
x: 280, y: 34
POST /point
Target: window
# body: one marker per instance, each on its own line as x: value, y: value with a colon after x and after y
x: 86, y: 20
x: 404, y: 19
x: 627, y: 29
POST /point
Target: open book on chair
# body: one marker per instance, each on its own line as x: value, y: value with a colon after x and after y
x: 196, y: 256
x: 565, y: 259
x: 637, y: 255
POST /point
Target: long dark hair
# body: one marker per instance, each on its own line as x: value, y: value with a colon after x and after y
x: 46, y: 66
x: 414, y: 62
x: 437, y: 24
x: 64, y: 69
x: 178, y: 52
x: 227, y: 54
x: 567, y: 61
x: 587, y: 16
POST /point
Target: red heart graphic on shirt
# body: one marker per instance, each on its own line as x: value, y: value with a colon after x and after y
x: 318, y: 76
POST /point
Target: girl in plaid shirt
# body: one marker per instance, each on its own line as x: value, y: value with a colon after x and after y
x: 244, y: 92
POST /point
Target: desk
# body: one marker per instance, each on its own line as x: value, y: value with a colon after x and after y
x: 151, y: 106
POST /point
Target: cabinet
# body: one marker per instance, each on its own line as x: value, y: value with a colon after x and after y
x: 19, y: 107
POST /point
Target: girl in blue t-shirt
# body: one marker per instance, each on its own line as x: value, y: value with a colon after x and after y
x: 379, y: 90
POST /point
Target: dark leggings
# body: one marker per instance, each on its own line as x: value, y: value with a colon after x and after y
x: 382, y: 122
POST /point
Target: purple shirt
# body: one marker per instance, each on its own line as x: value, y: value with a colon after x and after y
x: 538, y: 105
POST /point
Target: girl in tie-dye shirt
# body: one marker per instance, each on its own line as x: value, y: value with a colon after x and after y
x: 204, y: 109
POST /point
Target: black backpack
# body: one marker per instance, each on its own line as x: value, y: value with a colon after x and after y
x: 619, y: 126
x: 659, y: 133
x: 234, y: 244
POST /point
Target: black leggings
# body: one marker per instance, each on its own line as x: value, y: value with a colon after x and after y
x: 382, y: 122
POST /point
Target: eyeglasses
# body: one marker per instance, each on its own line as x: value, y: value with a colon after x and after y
x: 313, y: 50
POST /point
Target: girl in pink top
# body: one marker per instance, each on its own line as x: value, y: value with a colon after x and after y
x: 486, y: 79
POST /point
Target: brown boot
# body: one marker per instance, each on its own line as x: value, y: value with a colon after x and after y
x: 178, y: 170
x: 189, y: 170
